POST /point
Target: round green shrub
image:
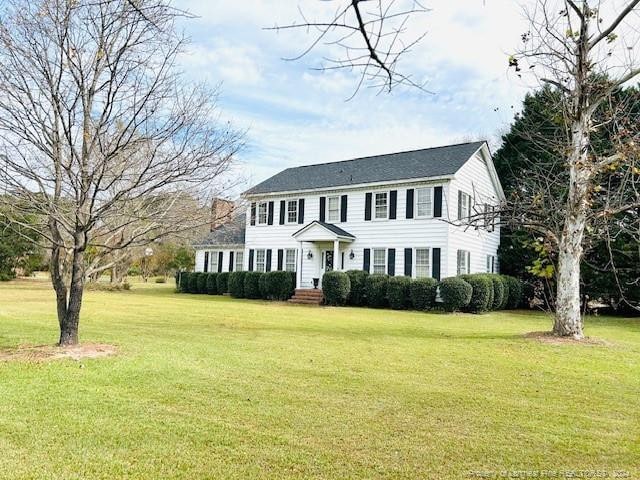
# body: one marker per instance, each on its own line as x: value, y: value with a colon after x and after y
x: 498, y: 291
x: 202, y: 282
x: 160, y: 280
x: 192, y: 287
x: 222, y: 283
x: 277, y: 285
x: 482, y: 292
x: 422, y: 292
x: 455, y: 293
x: 505, y: 296
x: 336, y: 287
x: 514, y: 299
x: 252, y: 285
x: 375, y: 287
x: 212, y: 283
x: 398, y: 293
x: 357, y: 295
x: 236, y: 284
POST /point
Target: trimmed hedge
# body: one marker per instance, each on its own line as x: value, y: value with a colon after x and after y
x: 222, y: 283
x: 505, y: 297
x: 422, y: 293
x: 252, y: 285
x: 455, y: 293
x: 193, y: 283
x: 398, y: 293
x: 514, y: 298
x: 202, y: 282
x: 182, y: 281
x: 336, y: 287
x: 212, y: 283
x: 481, y: 296
x: 276, y: 285
x: 357, y: 295
x: 498, y: 291
x: 375, y: 287
x: 236, y: 284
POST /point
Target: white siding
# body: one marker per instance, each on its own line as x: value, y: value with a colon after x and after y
x: 226, y: 252
x: 474, y: 179
x: 400, y: 233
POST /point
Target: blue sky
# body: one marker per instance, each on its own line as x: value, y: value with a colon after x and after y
x: 295, y: 115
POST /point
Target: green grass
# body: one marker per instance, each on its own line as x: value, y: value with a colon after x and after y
x: 211, y: 387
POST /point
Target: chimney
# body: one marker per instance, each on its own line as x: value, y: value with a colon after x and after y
x: 221, y: 212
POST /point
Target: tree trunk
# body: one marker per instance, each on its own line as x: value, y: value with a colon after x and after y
x: 568, y: 319
x: 70, y: 320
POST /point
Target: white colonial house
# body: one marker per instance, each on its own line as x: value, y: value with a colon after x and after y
x: 402, y: 214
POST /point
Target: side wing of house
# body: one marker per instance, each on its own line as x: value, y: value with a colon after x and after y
x: 474, y: 193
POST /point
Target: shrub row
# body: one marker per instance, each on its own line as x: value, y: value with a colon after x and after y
x: 472, y: 293
x: 269, y: 286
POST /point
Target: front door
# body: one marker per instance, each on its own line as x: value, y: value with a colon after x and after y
x: 328, y: 260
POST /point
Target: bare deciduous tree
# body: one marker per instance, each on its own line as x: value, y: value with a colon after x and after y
x: 371, y: 35
x: 102, y: 138
x: 586, y: 49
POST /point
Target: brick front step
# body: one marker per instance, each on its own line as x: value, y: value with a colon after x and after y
x: 307, y: 296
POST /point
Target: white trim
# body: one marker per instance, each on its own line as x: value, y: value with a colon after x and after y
x: 264, y: 251
x: 266, y: 216
x: 488, y: 160
x: 373, y: 205
x: 327, y: 209
x: 235, y: 261
x: 372, y: 266
x: 221, y: 246
x: 317, y: 223
x: 415, y: 202
x: 355, y: 186
x: 414, y: 267
x: 286, y: 211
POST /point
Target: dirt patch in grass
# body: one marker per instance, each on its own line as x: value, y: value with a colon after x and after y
x: 551, y: 339
x: 45, y: 353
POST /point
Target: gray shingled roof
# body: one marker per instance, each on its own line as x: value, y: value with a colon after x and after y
x: 231, y: 233
x: 430, y: 162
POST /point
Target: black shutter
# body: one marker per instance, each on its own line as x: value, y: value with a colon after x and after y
x: 437, y: 202
x: 253, y: 213
x: 280, y: 258
x: 409, y: 209
x: 435, y: 269
x: 460, y: 214
x: 367, y: 206
x: 408, y: 262
x: 251, y: 251
x: 323, y: 208
x: 391, y: 261
x: 282, y: 211
x: 231, y: 264
x: 343, y: 208
x: 270, y: 217
x: 268, y: 263
x: 342, y: 261
x: 393, y: 204
x: 367, y: 259
x: 301, y: 211
x: 220, y: 258
x: 206, y: 262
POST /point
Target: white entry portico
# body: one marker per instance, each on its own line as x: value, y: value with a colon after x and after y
x: 321, y: 248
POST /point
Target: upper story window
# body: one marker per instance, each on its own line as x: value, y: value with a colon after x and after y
x: 290, y: 260
x: 382, y: 205
x: 424, y: 203
x: 333, y: 209
x: 423, y: 268
x: 260, y: 260
x: 262, y: 213
x: 464, y: 260
x: 379, y: 260
x: 464, y: 205
x: 292, y: 211
x: 489, y: 217
x: 239, y: 260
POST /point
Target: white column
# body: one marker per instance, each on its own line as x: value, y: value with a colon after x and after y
x: 336, y: 254
x: 299, y: 267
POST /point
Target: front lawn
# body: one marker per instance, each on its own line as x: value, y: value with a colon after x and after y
x: 211, y: 387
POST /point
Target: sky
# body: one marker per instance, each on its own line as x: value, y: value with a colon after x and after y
x: 294, y: 114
